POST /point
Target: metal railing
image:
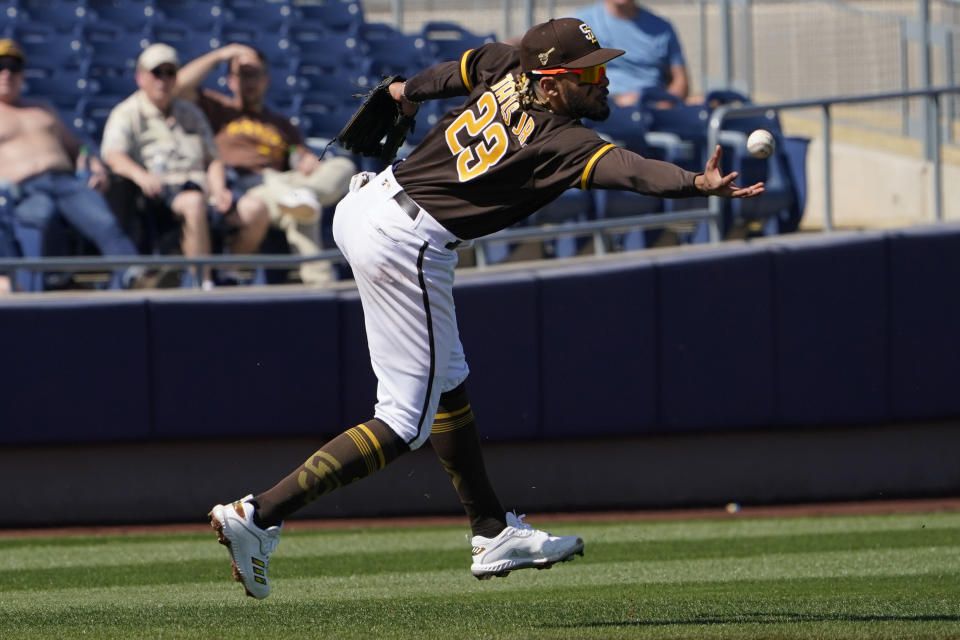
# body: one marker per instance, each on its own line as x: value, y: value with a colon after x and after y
x: 932, y: 146
x: 593, y: 228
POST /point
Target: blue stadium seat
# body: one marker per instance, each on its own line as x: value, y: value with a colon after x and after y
x: 63, y: 15
x: 94, y: 111
x: 275, y: 17
x: 345, y: 16
x: 170, y: 31
x: 779, y: 209
x: 202, y: 15
x: 625, y: 127
x: 448, y: 40
x: 573, y: 205
x: 614, y: 203
x: 388, y: 51
x: 124, y: 51
x: 59, y: 87
x: 195, y: 47
x: 112, y: 84
x: 279, y: 50
x: 323, y: 114
x: 132, y: 16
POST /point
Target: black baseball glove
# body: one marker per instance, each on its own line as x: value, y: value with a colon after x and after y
x: 379, y: 127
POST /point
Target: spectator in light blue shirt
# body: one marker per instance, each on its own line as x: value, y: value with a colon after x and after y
x: 653, y: 55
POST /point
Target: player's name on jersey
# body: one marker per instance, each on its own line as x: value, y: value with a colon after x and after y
x: 505, y: 91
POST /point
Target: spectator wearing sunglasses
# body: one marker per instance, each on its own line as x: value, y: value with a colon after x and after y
x: 166, y: 147
x: 653, y: 66
x: 38, y: 181
x: 265, y: 154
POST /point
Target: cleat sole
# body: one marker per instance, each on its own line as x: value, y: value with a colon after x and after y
x: 222, y: 539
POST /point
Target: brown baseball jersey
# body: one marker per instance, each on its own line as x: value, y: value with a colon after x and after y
x: 490, y: 163
x: 253, y: 140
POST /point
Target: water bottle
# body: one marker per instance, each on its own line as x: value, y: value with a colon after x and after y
x: 83, y: 165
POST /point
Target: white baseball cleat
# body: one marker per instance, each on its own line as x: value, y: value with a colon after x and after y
x: 250, y: 546
x: 520, y: 546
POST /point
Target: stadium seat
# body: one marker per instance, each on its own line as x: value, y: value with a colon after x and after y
x: 345, y: 16
x: 448, y: 40
x: 388, y: 51
x: 170, y: 31
x: 625, y: 127
x: 133, y: 17
x: 278, y: 49
x: 112, y: 84
x: 203, y: 15
x: 124, y: 50
x: 573, y: 205
x: 620, y: 204
x: 62, y: 15
x: 93, y: 112
x: 274, y: 17
x: 324, y: 114
x: 779, y: 209
x: 59, y: 87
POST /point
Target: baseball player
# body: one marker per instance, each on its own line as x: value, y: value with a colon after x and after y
x: 515, y: 144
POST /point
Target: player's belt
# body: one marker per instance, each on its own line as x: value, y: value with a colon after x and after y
x: 412, y: 209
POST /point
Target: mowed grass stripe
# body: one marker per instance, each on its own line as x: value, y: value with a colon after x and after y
x: 366, y: 579
x: 181, y: 562
x: 847, y: 607
x: 344, y: 540
x: 42, y: 552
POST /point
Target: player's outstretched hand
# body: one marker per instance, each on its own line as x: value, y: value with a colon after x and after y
x: 712, y: 183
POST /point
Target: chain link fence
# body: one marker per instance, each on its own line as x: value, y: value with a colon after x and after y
x: 773, y: 50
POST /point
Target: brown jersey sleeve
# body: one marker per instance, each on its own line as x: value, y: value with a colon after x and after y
x: 460, y: 77
x: 624, y: 169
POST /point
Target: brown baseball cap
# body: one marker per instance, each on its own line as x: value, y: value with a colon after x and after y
x: 564, y: 43
x: 9, y: 48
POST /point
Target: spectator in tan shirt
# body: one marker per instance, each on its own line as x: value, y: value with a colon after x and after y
x: 165, y: 146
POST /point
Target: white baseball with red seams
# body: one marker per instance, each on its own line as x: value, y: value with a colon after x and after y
x: 760, y: 143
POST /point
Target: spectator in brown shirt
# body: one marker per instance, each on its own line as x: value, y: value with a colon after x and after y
x: 266, y: 152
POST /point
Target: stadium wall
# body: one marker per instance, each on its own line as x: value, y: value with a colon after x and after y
x: 787, y: 369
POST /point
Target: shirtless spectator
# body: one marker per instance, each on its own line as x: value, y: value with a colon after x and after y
x: 165, y: 146
x: 38, y: 156
x: 266, y: 153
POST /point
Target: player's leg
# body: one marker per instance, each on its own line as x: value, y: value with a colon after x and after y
x: 454, y: 440
x: 502, y: 542
x: 410, y: 326
x: 354, y: 454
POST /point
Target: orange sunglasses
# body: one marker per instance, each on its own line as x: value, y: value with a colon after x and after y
x: 587, y: 75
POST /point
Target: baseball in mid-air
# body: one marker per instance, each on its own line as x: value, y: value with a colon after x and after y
x: 760, y: 143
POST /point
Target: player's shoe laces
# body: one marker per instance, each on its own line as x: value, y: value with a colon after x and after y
x: 250, y: 546
x: 520, y: 546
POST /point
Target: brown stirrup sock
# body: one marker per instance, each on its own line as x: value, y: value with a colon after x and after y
x: 354, y: 454
x: 454, y: 439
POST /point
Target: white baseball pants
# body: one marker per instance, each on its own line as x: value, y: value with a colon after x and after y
x: 404, y: 272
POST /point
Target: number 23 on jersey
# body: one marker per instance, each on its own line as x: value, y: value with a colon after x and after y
x: 476, y: 159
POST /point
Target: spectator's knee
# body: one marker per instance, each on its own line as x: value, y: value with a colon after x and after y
x: 253, y: 212
x: 191, y: 206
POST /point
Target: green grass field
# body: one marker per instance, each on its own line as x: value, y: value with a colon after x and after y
x: 884, y: 576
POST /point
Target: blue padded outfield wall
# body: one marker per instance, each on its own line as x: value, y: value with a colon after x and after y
x: 803, y: 331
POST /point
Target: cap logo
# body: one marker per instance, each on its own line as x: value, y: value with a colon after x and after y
x: 545, y: 56
x: 587, y: 32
